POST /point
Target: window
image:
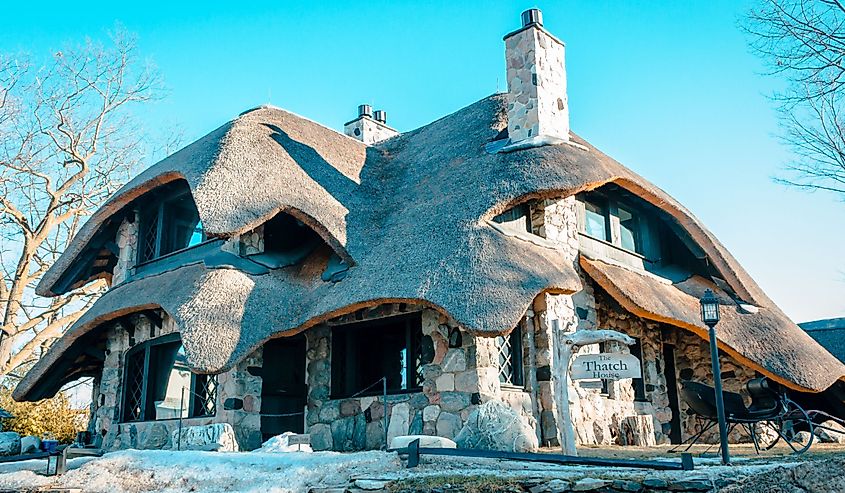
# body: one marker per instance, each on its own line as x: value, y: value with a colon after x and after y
x: 287, y: 235
x: 363, y: 353
x: 510, y: 357
x: 629, y: 230
x: 169, y: 225
x: 516, y: 218
x: 638, y: 383
x: 156, y: 374
x: 596, y: 221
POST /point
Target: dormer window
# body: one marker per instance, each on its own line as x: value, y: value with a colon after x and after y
x: 169, y: 224
x: 597, y: 220
x: 629, y: 230
x: 615, y: 225
x: 516, y: 218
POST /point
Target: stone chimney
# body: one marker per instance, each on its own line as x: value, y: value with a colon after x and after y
x: 537, y: 105
x: 369, y: 127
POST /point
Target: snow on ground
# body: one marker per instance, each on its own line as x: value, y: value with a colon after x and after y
x: 202, y: 472
x: 211, y: 472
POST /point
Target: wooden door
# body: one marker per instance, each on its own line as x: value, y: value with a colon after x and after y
x: 283, y: 390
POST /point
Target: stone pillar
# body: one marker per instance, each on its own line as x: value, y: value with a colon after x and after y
x: 127, y: 242
x: 556, y: 220
x: 537, y: 101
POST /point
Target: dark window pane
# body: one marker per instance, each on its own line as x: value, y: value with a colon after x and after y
x: 605, y: 383
x: 638, y: 383
x: 364, y: 353
x: 204, y: 395
x: 182, y: 227
x: 149, y: 235
x: 134, y: 387
x: 595, y: 223
x: 629, y: 230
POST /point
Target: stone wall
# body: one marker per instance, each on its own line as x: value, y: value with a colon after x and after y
x: 450, y: 389
x: 620, y: 401
x: 692, y: 360
x: 106, y: 408
x: 455, y: 380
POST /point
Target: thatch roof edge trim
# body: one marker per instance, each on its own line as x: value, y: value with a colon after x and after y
x: 701, y: 332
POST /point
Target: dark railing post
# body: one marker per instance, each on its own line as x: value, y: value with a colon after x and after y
x: 720, y: 402
x: 384, y: 418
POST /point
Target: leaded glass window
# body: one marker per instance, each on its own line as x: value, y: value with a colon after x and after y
x: 509, y: 349
x: 168, y: 225
x: 159, y: 385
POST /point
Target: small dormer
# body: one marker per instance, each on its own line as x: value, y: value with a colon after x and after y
x: 169, y: 222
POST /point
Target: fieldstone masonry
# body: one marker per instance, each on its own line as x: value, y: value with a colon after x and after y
x: 455, y: 381
x: 537, y: 101
x: 127, y: 241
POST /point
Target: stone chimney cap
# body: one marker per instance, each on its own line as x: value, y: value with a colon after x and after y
x: 532, y: 16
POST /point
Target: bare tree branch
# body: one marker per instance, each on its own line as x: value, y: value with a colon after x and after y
x: 804, y: 41
x: 67, y: 142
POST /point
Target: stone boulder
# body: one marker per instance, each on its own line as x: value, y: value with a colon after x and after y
x: 427, y: 441
x: 218, y: 437
x: 10, y: 443
x: 496, y: 426
x: 30, y: 445
x: 835, y: 434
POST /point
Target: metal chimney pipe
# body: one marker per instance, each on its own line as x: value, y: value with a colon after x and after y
x: 380, y: 116
x: 532, y: 16
x: 365, y: 110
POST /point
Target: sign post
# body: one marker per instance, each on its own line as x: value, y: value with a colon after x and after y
x: 569, y: 344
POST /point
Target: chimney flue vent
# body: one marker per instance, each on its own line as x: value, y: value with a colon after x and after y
x: 370, y: 127
x: 532, y: 16
x: 365, y: 110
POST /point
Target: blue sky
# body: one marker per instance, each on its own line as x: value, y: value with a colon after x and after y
x: 667, y: 88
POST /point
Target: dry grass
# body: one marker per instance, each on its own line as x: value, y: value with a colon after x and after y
x: 466, y: 484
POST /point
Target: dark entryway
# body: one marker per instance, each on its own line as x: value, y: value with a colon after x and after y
x: 283, y: 390
x: 672, y: 392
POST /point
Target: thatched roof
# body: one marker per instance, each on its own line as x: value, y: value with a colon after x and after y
x: 410, y: 214
x: 766, y: 340
x: 830, y: 333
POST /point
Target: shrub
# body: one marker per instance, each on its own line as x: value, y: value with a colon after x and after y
x: 53, y: 417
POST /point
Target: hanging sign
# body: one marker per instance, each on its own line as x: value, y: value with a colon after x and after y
x: 607, y: 366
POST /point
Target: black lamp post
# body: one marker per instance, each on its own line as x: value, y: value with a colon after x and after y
x: 710, y: 317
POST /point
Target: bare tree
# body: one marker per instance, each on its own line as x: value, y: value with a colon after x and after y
x: 67, y: 142
x: 804, y: 41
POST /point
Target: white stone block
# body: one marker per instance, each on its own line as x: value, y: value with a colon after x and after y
x: 400, y: 420
x: 427, y: 441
